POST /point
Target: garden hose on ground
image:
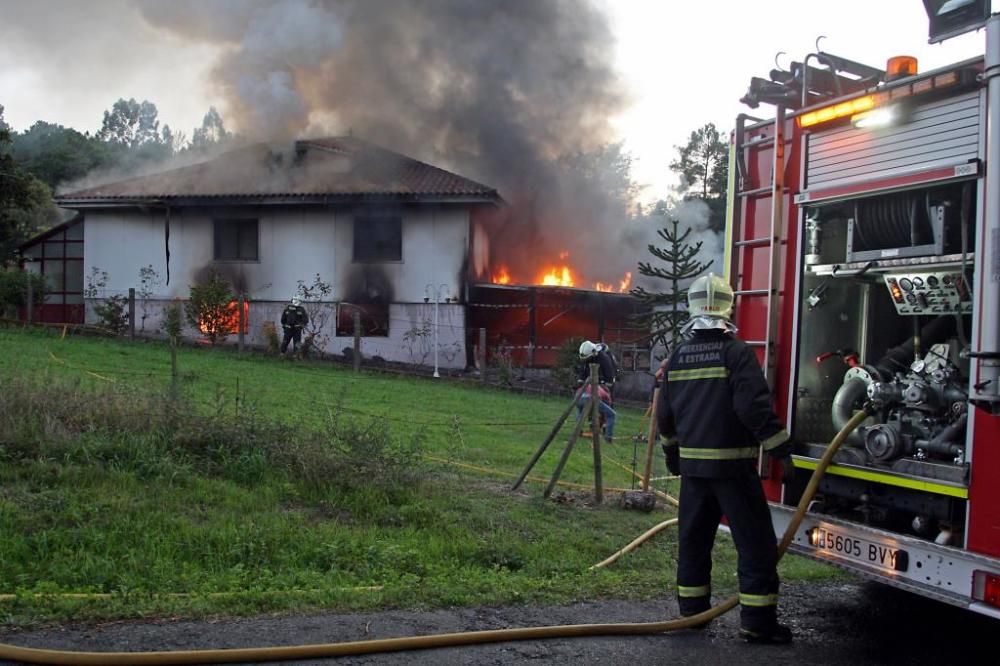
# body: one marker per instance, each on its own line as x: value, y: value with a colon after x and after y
x: 42, y: 656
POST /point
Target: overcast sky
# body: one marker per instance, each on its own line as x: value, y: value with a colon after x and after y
x: 683, y: 63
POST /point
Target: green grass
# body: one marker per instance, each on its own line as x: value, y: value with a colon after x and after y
x: 154, y: 528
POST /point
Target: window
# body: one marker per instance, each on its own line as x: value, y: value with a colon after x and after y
x: 236, y: 240
x: 378, y: 239
x: 374, y: 320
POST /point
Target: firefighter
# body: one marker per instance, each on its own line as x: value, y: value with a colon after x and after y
x: 715, y: 416
x: 293, y: 320
x: 598, y: 353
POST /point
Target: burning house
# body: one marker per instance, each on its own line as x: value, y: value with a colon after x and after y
x: 401, y: 242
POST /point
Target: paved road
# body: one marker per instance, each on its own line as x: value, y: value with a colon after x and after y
x: 846, y: 623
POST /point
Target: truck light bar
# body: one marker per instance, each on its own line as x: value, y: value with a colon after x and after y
x: 842, y: 110
x: 865, y: 103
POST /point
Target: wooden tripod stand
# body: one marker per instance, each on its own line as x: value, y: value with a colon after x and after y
x: 596, y: 441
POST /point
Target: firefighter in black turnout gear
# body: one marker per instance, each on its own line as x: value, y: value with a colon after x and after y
x: 596, y: 352
x: 715, y: 415
x: 293, y: 320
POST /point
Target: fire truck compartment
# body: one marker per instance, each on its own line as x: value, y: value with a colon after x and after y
x: 885, y: 314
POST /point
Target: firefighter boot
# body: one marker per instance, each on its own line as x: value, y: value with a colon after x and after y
x: 778, y: 634
x: 690, y: 605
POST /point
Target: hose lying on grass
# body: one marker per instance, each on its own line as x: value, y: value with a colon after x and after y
x: 42, y: 656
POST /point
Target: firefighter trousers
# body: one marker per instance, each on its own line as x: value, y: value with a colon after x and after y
x: 703, y: 503
x: 293, y: 334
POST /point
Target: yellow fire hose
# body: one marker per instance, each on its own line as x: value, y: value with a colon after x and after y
x: 42, y: 656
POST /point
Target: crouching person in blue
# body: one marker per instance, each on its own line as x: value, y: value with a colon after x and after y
x: 715, y: 415
x: 607, y: 413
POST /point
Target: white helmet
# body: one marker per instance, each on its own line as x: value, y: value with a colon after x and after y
x: 296, y: 301
x: 587, y: 349
x: 710, y: 296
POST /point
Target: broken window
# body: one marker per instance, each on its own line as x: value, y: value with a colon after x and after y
x: 374, y: 319
x: 378, y: 239
x: 236, y: 240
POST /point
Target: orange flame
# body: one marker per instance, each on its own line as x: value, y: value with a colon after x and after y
x: 230, y: 323
x: 557, y: 276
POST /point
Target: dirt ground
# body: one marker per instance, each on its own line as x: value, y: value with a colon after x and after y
x: 843, y: 623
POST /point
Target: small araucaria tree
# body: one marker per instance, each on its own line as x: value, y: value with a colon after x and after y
x: 209, y: 308
x: 680, y: 266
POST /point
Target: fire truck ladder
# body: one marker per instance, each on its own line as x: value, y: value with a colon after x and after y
x: 742, y: 259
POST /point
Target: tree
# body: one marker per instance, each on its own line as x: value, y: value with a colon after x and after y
x: 667, y: 318
x: 25, y: 201
x: 129, y: 124
x: 212, y: 131
x: 132, y: 130
x: 704, y: 167
x: 55, y: 154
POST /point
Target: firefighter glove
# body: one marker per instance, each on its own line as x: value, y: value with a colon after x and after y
x: 672, y: 454
x: 787, y: 469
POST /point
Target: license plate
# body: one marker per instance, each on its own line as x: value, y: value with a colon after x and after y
x: 875, y: 554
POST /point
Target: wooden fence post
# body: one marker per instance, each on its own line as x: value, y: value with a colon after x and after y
x: 131, y: 313
x: 357, y: 341
x: 482, y: 355
x: 650, y: 440
x: 243, y: 323
x: 30, y: 309
x: 595, y: 427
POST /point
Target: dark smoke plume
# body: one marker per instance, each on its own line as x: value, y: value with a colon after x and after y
x: 496, y: 91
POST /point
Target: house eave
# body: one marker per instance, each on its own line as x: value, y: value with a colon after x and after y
x: 81, y: 203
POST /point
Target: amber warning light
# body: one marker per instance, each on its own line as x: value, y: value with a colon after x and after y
x: 866, y: 103
x: 899, y: 67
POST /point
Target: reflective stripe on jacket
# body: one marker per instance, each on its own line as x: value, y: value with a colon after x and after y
x: 716, y: 405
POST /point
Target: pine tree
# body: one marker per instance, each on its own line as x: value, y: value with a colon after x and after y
x: 667, y: 317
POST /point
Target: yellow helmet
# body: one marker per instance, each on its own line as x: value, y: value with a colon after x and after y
x: 710, y: 296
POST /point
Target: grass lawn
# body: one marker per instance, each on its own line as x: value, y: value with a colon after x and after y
x: 99, y: 523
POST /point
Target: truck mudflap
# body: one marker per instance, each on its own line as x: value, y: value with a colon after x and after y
x: 923, y: 567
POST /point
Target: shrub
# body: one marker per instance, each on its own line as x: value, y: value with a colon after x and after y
x: 208, y: 308
x: 567, y: 360
x: 111, y: 311
x: 14, y: 290
x: 148, y: 280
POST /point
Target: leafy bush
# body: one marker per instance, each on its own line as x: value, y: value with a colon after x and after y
x: 14, y: 290
x: 111, y: 311
x: 208, y: 308
x: 567, y: 359
x: 315, y: 299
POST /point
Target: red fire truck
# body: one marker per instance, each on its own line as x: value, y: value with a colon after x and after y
x: 863, y: 244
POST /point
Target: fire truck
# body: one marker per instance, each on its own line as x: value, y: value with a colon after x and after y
x: 863, y: 246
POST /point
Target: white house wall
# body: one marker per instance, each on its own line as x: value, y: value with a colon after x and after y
x: 435, y: 242
x: 294, y: 244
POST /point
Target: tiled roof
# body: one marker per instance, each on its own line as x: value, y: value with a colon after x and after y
x: 316, y: 169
